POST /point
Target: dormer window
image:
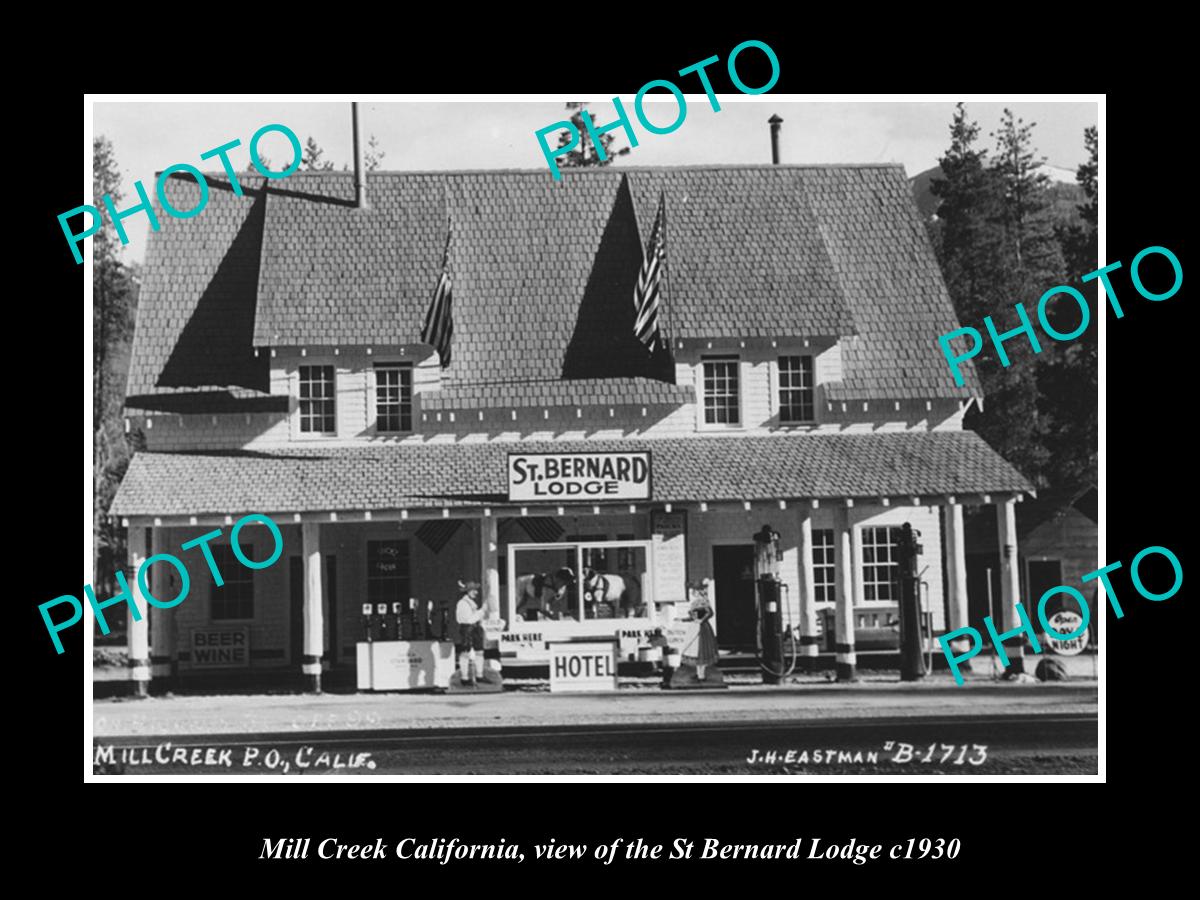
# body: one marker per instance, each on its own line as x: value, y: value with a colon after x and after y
x: 317, y: 410
x: 393, y: 398
x: 796, y: 390
x: 722, y: 389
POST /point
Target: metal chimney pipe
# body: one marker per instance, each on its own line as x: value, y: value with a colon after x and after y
x: 360, y: 175
x: 775, y: 123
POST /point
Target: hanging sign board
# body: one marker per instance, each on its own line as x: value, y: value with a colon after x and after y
x: 668, y: 530
x: 1066, y: 622
x: 544, y: 477
x: 583, y: 666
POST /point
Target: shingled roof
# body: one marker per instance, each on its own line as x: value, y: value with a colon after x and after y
x: 543, y: 275
x: 900, y: 464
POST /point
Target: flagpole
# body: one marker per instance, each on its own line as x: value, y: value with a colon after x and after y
x: 662, y: 329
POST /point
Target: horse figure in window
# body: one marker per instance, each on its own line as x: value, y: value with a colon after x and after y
x: 611, y: 596
x: 544, y: 596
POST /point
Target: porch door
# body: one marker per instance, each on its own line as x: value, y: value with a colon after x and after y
x: 733, y: 580
x: 1043, y: 575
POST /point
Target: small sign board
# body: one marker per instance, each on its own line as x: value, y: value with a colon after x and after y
x: 1065, y: 622
x: 404, y: 665
x: 220, y: 648
x: 669, y: 532
x: 585, y: 477
x: 583, y: 666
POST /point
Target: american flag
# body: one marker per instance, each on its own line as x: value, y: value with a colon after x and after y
x: 439, y: 323
x: 646, y: 294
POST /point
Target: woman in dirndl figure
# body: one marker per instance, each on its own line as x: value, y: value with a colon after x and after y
x: 706, y: 651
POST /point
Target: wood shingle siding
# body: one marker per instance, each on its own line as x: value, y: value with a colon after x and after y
x: 543, y: 280
x: 299, y: 478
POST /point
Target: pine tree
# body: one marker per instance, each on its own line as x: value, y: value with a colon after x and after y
x: 1024, y: 205
x: 373, y: 156
x: 964, y: 233
x: 974, y: 251
x: 585, y: 154
x: 114, y: 298
x: 264, y: 161
x: 1086, y: 177
x: 1069, y: 374
x: 311, y: 160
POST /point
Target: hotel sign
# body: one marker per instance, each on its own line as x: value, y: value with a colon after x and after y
x: 583, y: 665
x: 542, y: 477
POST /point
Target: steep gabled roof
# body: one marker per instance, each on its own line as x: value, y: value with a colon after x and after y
x: 543, y: 275
x: 891, y: 282
x: 196, y: 306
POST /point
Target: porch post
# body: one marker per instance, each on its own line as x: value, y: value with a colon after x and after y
x: 162, y: 621
x: 488, y: 556
x: 1010, y: 581
x: 808, y: 588
x: 314, y: 624
x: 137, y: 632
x: 956, y: 587
x: 847, y: 659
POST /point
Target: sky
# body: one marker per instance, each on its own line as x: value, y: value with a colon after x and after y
x: 148, y: 137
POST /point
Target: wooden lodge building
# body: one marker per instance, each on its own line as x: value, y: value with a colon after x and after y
x: 278, y: 368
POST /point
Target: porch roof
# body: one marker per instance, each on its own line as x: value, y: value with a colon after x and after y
x: 444, y: 475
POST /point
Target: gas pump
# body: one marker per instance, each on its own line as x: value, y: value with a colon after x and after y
x: 420, y: 619
x: 381, y: 609
x: 398, y: 618
x: 367, y: 610
x: 912, y: 660
x: 768, y: 587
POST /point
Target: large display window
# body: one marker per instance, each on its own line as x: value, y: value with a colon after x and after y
x: 580, y: 581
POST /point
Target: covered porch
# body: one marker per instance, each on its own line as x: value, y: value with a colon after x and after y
x: 348, y: 513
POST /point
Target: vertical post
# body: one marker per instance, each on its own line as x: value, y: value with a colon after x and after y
x: 808, y: 589
x: 857, y: 591
x: 137, y: 633
x: 314, y: 624
x: 1010, y: 581
x: 488, y: 562
x: 847, y: 659
x: 162, y: 621
x: 489, y: 583
x: 956, y: 588
x: 360, y: 169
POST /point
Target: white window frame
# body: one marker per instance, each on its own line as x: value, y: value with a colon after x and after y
x: 833, y: 551
x: 405, y: 549
x: 777, y: 389
x: 862, y: 571
x: 248, y: 550
x: 298, y: 432
x: 701, y: 395
x: 373, y: 396
x: 646, y: 584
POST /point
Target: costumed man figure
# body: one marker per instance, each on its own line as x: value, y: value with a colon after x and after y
x: 468, y: 616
